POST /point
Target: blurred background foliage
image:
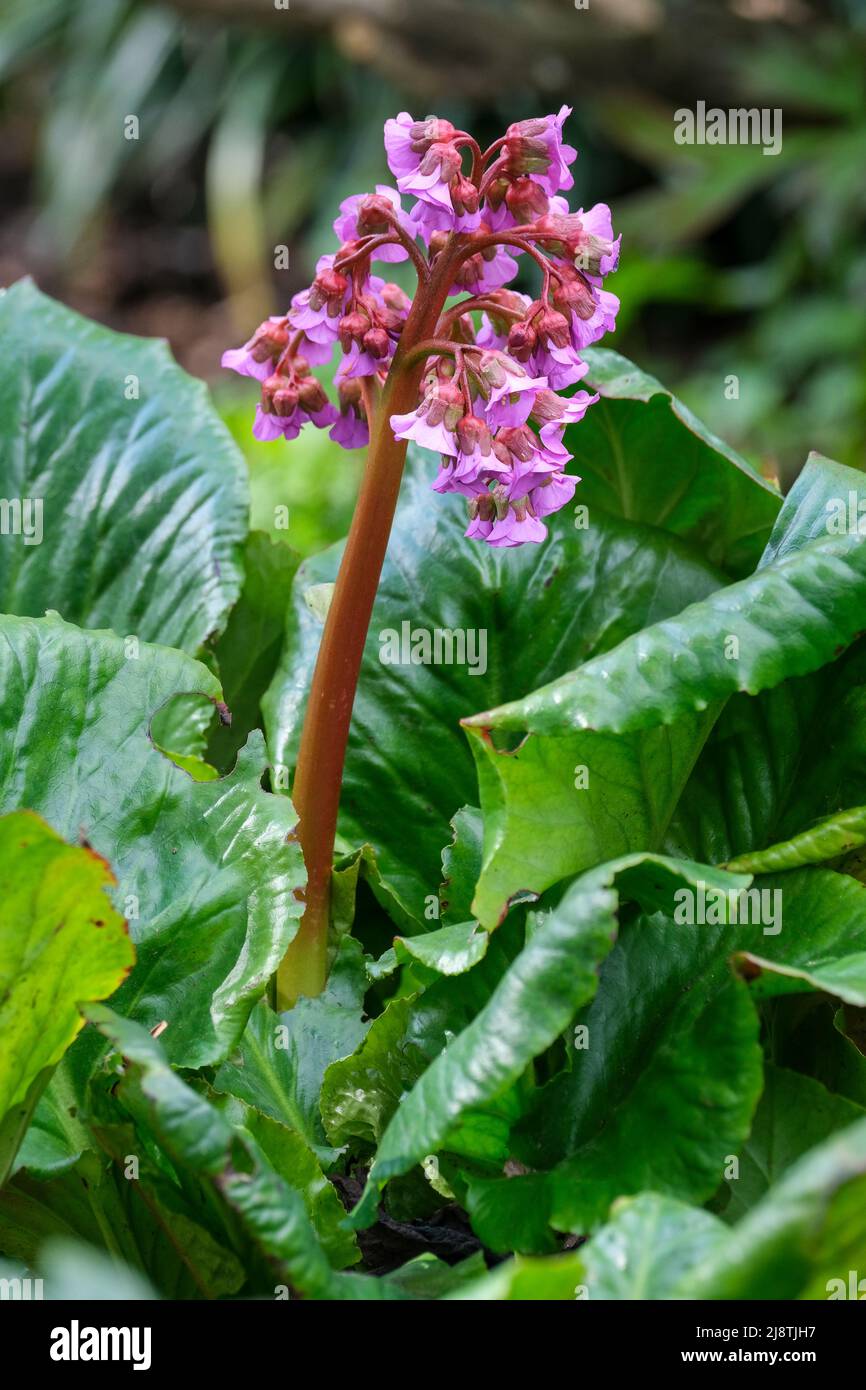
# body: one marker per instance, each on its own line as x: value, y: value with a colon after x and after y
x: 252, y: 120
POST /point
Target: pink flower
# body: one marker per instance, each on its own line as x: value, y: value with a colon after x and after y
x: 549, y: 351
x: 598, y: 226
x: 365, y: 214
x: 486, y: 271
x: 269, y: 426
x: 407, y: 140
x: 553, y: 493
x: 288, y: 403
x: 476, y: 463
x: 516, y: 528
x: 434, y: 423
x: 535, y: 147
x: 554, y: 414
x: 256, y: 357
x: 422, y: 158
x: 316, y: 312
x: 351, y: 431
x: 429, y: 218
x: 511, y: 391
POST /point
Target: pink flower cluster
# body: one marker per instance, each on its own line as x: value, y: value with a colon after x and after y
x: 491, y: 374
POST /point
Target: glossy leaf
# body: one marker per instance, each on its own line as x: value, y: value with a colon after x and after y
x: 207, y: 873
x: 623, y: 450
x: 530, y: 616
x: 555, y: 974
x: 61, y: 944
x: 142, y: 494
x: 645, y: 1247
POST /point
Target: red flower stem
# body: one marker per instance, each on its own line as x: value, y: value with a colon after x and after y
x: 475, y: 303
x: 319, y: 770
x: 464, y: 138
x: 491, y: 149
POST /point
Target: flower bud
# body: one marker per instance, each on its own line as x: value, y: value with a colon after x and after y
x: 349, y: 392
x: 546, y: 407
x: 471, y: 271
x: 279, y: 395
x: 584, y: 248
x: 329, y: 287
x: 522, y: 341
x: 352, y: 328
x: 444, y: 159
x: 396, y: 299
x: 269, y: 340
x: 376, y: 342
x: 375, y: 214
x: 553, y: 328
x: 482, y: 506
x: 526, y: 199
x: 438, y: 240
x: 574, y: 295
x: 311, y: 396
x: 527, y: 149
x: 429, y: 132
x: 444, y: 402
x: 464, y: 195
x: 502, y: 452
x: 520, y: 441
x: 473, y: 434
x: 491, y: 369
x: 497, y: 192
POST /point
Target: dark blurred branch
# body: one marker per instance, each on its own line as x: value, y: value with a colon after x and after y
x: 475, y: 50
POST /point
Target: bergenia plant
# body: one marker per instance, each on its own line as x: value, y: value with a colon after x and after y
x: 571, y: 1006
x: 469, y: 369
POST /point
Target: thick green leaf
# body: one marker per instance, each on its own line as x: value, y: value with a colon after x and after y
x: 461, y: 865
x: 202, y: 1141
x: 533, y: 1003
x: 787, y: 620
x: 533, y: 613
x: 511, y: 1214
x: 556, y: 1279
x: 758, y: 781
x: 361, y: 1093
x: 248, y: 651
x: 665, y: 1072
x: 280, y: 1062
x: 821, y: 942
x: 642, y: 1251
x: 811, y: 1228
x: 829, y: 838
x: 816, y: 1045
x: 449, y: 951
x: 126, y: 1218
x: 143, y: 495
x: 61, y: 944
x: 209, y: 873
x: 624, y: 450
x: 790, y: 618
x: 293, y: 1161
x: 795, y: 1114
x: 554, y: 807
